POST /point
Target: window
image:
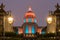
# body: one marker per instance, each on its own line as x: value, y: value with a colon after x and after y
x: 35, y: 20
x: 33, y: 29
x: 24, y: 20
x: 26, y: 29
x: 29, y: 20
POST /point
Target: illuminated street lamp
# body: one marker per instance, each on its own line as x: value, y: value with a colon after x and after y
x: 10, y: 20
x: 49, y: 20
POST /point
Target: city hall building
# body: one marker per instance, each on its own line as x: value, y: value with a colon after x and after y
x: 30, y: 26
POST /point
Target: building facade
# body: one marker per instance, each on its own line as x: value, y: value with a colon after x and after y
x: 30, y: 26
x: 4, y: 24
x: 54, y: 26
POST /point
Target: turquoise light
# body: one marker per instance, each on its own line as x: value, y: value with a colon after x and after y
x: 16, y: 32
x: 29, y: 20
x: 35, y: 20
x: 26, y: 29
x: 33, y: 29
x: 24, y: 20
x: 43, y: 32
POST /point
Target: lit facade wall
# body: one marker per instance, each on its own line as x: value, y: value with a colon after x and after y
x: 8, y: 27
x: 58, y: 23
x: 51, y: 28
x: 30, y: 29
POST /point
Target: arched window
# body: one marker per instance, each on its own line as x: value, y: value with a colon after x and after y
x: 33, y: 29
x: 26, y: 29
x: 35, y: 20
x: 24, y: 20
x: 29, y: 20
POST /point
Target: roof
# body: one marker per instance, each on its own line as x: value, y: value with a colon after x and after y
x: 30, y: 13
x: 2, y: 11
x: 57, y: 8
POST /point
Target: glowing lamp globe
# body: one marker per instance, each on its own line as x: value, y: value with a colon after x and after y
x: 10, y: 20
x: 49, y: 20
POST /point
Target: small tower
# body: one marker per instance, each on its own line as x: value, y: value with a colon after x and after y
x: 54, y: 26
x: 57, y: 11
x: 4, y: 25
x: 2, y: 13
x: 51, y: 23
x: 57, y: 14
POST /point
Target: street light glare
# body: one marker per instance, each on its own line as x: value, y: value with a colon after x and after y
x: 10, y: 20
x: 49, y: 20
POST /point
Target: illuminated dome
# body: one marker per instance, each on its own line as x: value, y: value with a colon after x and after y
x: 30, y: 14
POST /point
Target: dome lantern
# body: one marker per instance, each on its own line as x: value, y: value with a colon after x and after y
x: 30, y: 9
x: 29, y: 13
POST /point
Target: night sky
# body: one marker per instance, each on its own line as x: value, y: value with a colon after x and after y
x: 20, y: 7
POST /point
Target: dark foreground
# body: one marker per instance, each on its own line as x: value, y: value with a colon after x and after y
x: 13, y: 36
